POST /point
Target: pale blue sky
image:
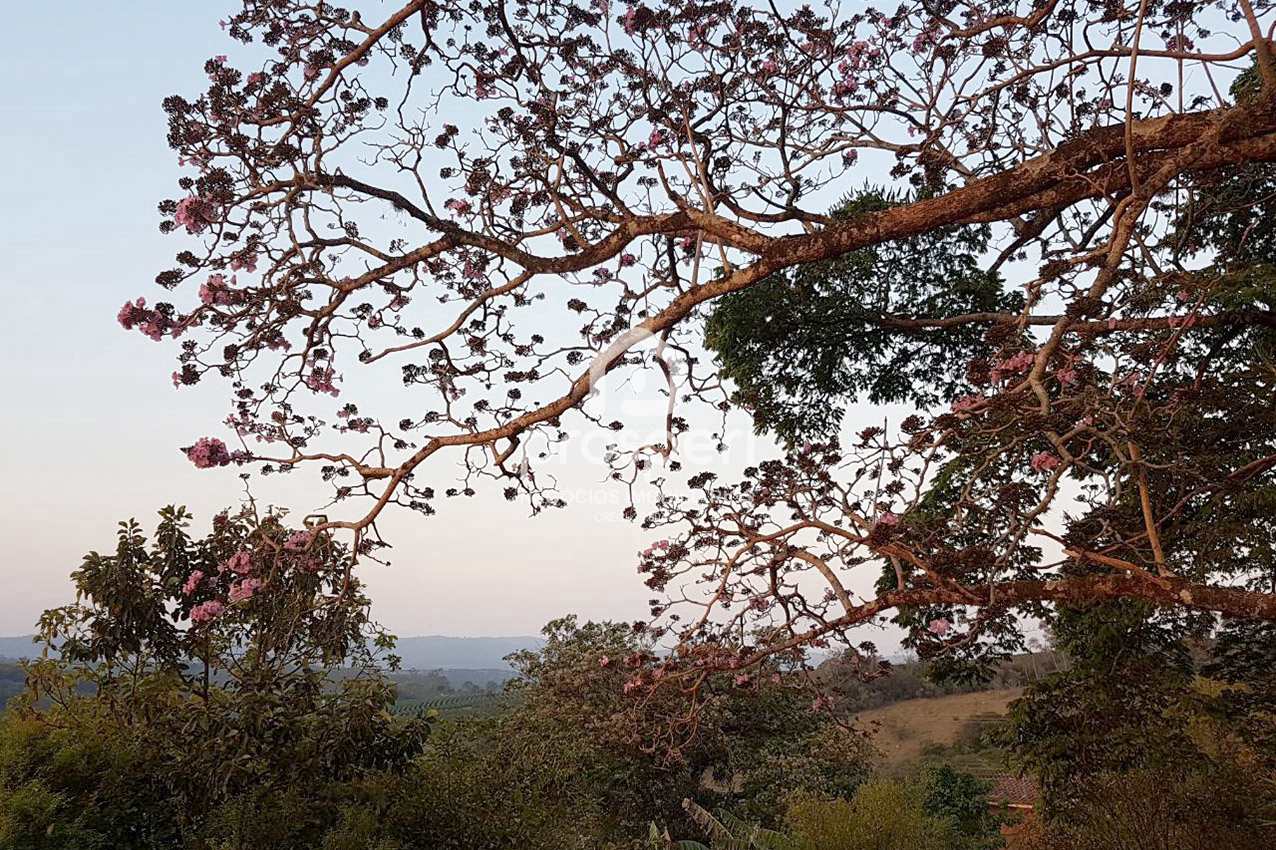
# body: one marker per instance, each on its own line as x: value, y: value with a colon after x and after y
x: 91, y: 422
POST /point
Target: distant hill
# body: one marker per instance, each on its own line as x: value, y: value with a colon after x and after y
x: 439, y: 652
x: 425, y: 652
x: 21, y: 646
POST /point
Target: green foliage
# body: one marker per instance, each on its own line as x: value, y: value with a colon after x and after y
x: 1156, y: 810
x: 942, y: 808
x: 883, y: 815
x: 573, y: 741
x: 149, y: 730
x: 804, y: 342
x: 1119, y: 705
x: 961, y: 800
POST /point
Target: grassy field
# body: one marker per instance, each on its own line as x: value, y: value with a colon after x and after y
x: 902, y: 731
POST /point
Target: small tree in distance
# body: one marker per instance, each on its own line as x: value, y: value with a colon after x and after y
x: 218, y: 691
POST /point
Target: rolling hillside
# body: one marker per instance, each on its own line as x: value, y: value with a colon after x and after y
x: 903, y: 730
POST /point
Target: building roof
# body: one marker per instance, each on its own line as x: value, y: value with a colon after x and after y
x: 1016, y: 792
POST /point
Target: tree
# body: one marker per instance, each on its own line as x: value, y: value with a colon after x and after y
x: 187, y: 697
x: 627, y: 168
x: 580, y: 737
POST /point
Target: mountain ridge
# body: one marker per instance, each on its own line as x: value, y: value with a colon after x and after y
x: 419, y: 652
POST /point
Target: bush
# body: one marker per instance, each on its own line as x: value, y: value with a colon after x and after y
x: 1155, y: 810
x: 883, y: 815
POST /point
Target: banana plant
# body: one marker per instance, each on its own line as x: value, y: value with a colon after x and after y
x: 724, y: 831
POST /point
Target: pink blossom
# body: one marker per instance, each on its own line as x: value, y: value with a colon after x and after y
x: 255, y: 77
x: 298, y: 541
x: 320, y: 380
x: 770, y: 66
x: 630, y: 20
x: 208, y: 452
x: 192, y: 582
x: 849, y: 158
x: 151, y: 323
x: 1019, y: 364
x: 242, y: 591
x: 627, y: 260
x: 240, y: 563
x: 247, y: 262
x: 217, y: 292
x: 1045, y: 461
x: 194, y: 213
x: 130, y: 313
x: 458, y: 206
x: 939, y: 627
x: 656, y: 139
x: 965, y: 403
x: 206, y: 611
x: 741, y: 679
x: 604, y: 661
x: 888, y: 519
x: 220, y: 59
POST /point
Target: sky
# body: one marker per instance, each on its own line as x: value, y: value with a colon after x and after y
x: 91, y: 421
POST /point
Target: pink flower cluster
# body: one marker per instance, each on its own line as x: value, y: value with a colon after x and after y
x: 242, y: 591
x: 888, y: 519
x: 240, y: 563
x: 208, y: 452
x: 857, y: 58
x: 926, y: 37
x: 206, y: 611
x: 658, y: 546
x: 1045, y: 461
x: 458, y: 206
x: 630, y: 20
x: 298, y: 541
x: 217, y: 292
x: 966, y: 403
x: 194, y: 214
x: 192, y: 582
x: 939, y: 627
x: 320, y: 380
x: 245, y: 262
x: 1019, y: 364
x: 151, y: 323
